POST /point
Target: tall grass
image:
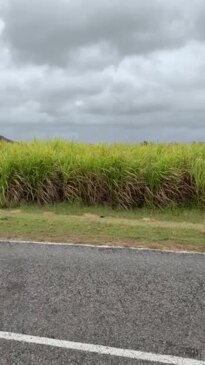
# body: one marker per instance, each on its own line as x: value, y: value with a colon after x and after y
x: 120, y: 175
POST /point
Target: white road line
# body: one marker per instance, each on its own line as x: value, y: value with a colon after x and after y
x: 101, y: 350
x: 108, y: 246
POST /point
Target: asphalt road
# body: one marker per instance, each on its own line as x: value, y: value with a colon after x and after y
x: 129, y: 299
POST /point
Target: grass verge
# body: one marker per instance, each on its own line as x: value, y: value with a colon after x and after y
x: 178, y: 229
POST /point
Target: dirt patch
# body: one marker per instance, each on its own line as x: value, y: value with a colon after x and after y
x: 147, y: 220
x: 15, y: 211
x: 5, y: 215
x: 90, y: 216
x: 48, y: 214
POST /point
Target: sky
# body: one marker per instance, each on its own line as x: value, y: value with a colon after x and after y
x: 102, y: 70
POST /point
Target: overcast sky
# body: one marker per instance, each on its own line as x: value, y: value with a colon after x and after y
x: 102, y: 70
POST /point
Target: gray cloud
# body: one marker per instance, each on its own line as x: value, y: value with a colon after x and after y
x: 49, y: 31
x: 131, y: 68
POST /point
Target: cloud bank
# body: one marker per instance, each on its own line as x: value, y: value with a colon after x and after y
x: 103, y: 70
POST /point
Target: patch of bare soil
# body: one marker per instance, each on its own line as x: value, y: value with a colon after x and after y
x: 15, y: 211
x: 48, y: 214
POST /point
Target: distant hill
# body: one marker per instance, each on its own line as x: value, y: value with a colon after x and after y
x: 4, y: 139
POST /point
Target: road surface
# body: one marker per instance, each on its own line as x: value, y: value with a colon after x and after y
x: 143, y: 303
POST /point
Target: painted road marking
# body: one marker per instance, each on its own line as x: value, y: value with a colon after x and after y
x: 101, y: 350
